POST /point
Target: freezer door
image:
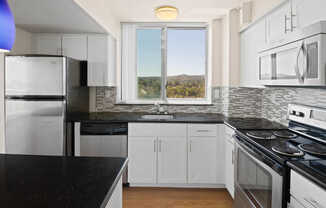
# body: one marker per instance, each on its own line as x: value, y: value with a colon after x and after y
x: 37, y: 76
x: 35, y: 127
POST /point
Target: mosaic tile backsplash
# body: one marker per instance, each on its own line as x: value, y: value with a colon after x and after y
x: 275, y: 100
x: 270, y: 103
x: 244, y: 102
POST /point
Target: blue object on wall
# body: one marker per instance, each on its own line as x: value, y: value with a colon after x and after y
x: 7, y: 27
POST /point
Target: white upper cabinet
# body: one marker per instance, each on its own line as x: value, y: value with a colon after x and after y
x: 46, y: 44
x: 279, y: 24
x: 101, y: 60
x: 99, y: 50
x: 308, y: 12
x: 251, y: 42
x: 75, y: 46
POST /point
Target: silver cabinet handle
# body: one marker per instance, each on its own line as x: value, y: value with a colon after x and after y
x: 286, y: 24
x: 154, y: 145
x: 203, y: 130
x: 232, y: 157
x: 160, y: 145
x: 313, y: 203
x: 301, y: 77
x: 190, y: 144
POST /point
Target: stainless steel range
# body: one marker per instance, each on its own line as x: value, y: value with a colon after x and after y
x: 262, y: 175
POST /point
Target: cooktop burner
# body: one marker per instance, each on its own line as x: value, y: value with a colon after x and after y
x: 287, y: 149
x: 261, y: 134
x: 314, y: 148
x: 285, y: 134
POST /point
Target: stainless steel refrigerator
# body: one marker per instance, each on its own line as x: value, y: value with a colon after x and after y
x: 40, y: 92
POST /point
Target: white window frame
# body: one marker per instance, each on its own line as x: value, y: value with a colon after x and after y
x: 164, y: 100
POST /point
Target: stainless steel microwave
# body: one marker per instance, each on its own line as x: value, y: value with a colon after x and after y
x: 299, y: 62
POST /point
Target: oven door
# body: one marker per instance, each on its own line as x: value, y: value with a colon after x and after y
x: 257, y: 184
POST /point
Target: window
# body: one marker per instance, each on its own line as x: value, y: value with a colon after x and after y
x: 170, y: 63
x: 186, y: 63
x: 149, y: 64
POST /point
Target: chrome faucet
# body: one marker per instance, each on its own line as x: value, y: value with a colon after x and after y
x: 159, y: 109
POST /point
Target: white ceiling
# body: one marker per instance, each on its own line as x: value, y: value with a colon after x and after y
x: 190, y: 10
x: 63, y: 16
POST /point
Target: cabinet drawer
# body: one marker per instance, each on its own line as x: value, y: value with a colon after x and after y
x: 143, y: 129
x: 173, y: 130
x: 306, y: 192
x: 157, y: 129
x: 198, y: 130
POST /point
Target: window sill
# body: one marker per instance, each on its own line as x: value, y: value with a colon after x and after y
x: 183, y: 103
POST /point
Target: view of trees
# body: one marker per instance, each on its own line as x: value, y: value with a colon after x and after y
x: 181, y: 86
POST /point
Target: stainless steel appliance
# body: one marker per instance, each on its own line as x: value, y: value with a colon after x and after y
x: 262, y: 175
x: 298, y: 60
x: 40, y: 91
x: 104, y: 140
x: 258, y: 178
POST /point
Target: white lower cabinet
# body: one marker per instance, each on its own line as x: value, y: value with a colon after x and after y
x: 116, y: 197
x: 229, y: 161
x: 202, y: 160
x: 174, y: 154
x: 142, y: 159
x: 172, y: 160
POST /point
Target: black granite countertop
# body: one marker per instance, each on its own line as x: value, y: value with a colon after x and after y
x: 314, y: 170
x: 252, y: 123
x: 235, y: 123
x: 136, y: 117
x: 65, y: 182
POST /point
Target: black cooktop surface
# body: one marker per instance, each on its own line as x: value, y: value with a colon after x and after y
x: 287, y: 145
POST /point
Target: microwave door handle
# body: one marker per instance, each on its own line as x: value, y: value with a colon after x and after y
x: 301, y: 77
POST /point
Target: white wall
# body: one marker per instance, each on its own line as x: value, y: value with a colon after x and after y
x: 23, y: 42
x: 231, y: 49
x: 2, y: 110
x: 217, y: 51
x: 99, y: 10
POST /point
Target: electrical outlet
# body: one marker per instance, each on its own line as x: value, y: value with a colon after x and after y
x: 217, y: 93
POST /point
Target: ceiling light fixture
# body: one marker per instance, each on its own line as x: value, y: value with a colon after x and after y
x: 166, y: 12
x: 7, y: 27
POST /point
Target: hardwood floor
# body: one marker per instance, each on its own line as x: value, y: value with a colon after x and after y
x: 176, y: 198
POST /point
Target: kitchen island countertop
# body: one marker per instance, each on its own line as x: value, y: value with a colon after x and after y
x: 65, y: 182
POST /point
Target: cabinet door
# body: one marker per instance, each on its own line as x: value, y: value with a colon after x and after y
x: 253, y: 40
x: 202, y: 160
x: 46, y: 44
x: 229, y: 167
x: 172, y: 160
x: 277, y: 24
x: 142, y: 159
x: 308, y: 12
x: 75, y: 46
x: 101, y: 60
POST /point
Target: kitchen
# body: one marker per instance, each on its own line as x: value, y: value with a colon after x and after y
x: 106, y: 96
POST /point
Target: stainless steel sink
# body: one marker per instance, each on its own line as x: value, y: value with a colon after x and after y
x: 157, y: 117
